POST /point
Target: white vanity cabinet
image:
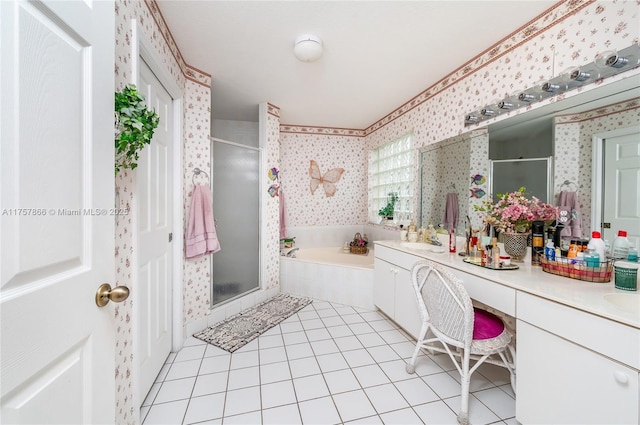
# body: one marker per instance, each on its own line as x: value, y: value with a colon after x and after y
x: 393, y: 291
x: 574, y: 367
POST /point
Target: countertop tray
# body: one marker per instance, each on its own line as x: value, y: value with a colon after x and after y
x: 502, y: 266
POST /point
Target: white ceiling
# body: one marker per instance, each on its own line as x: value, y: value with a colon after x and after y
x: 377, y: 54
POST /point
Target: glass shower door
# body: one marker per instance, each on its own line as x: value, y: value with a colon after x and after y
x: 235, y: 190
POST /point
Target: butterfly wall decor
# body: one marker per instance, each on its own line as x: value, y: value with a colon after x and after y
x: 328, y: 180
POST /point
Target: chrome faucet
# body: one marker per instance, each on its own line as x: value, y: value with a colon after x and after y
x: 292, y: 253
x: 433, y: 241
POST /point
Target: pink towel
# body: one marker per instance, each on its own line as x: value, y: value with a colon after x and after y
x: 201, y: 232
x: 283, y: 223
x: 451, y: 211
x: 569, y: 210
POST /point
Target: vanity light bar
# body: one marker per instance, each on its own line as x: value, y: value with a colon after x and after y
x: 606, y: 64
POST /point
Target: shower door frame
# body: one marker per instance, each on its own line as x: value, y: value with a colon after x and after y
x: 260, y: 207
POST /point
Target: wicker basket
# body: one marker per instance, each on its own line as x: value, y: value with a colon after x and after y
x: 580, y: 272
x: 358, y: 249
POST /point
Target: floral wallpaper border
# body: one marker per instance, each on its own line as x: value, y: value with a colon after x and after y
x: 286, y: 128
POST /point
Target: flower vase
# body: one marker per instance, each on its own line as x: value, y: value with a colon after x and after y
x: 515, y: 244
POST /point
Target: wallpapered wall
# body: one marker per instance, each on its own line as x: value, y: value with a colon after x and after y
x: 573, y: 145
x: 271, y: 245
x: 195, y: 86
x: 571, y: 33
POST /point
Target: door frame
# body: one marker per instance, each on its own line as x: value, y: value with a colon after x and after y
x: 142, y: 48
x: 597, y: 170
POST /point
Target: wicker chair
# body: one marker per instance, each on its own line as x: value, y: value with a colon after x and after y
x: 449, y: 318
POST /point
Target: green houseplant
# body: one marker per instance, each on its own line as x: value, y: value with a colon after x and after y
x: 388, y: 210
x: 135, y: 125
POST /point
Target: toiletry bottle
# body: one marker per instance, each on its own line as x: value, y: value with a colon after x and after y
x: 573, y: 249
x: 633, y: 255
x: 495, y: 253
x: 412, y: 227
x: 591, y: 258
x: 550, y: 251
x: 537, y: 242
x: 452, y: 240
x: 597, y: 244
x: 621, y: 245
x: 483, y: 255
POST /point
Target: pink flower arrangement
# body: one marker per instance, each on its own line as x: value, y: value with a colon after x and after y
x: 515, y: 213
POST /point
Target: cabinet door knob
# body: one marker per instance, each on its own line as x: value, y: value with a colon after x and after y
x: 621, y: 377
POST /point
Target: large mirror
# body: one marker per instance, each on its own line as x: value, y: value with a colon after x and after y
x: 570, y: 130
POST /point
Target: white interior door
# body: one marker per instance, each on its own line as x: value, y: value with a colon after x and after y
x: 154, y: 185
x: 622, y: 186
x: 57, y: 224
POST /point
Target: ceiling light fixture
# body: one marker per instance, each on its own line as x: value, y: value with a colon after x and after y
x: 308, y: 48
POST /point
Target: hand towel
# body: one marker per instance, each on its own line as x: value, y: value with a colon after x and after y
x: 283, y: 223
x: 451, y: 211
x: 569, y: 210
x: 201, y: 231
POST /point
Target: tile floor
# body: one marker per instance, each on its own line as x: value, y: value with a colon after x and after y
x: 327, y: 364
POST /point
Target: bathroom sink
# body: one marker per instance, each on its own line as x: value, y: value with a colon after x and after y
x: 423, y: 246
x: 627, y: 302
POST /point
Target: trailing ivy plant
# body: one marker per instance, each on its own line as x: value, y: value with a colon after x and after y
x: 135, y: 125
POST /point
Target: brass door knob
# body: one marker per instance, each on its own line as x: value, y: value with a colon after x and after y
x: 106, y: 294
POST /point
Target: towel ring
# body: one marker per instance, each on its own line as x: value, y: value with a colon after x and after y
x: 197, y: 172
x: 568, y: 183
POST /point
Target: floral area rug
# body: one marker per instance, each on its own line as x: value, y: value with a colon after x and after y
x: 244, y: 327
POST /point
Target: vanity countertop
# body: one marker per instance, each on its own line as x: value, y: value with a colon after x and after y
x: 587, y: 296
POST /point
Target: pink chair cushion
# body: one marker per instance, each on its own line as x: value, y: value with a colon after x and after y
x: 486, y: 325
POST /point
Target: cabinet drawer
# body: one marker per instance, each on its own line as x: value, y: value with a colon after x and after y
x: 399, y: 258
x: 615, y: 340
x: 490, y: 293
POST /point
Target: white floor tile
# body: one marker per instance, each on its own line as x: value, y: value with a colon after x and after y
x: 437, y: 412
x: 319, y: 411
x: 327, y: 312
x: 184, y: 369
x: 509, y: 390
x: 386, y: 398
x: 243, y: 419
x: 353, y: 405
x: 283, y: 415
x: 211, y: 383
x: 270, y: 341
x: 312, y: 324
x: 274, y: 372
x: 496, y: 374
x: 333, y: 321
x: 143, y: 413
x: 443, y: 384
x: 371, y: 420
x: 357, y: 358
x: 272, y: 355
x: 307, y: 315
x: 251, y: 346
x: 372, y: 316
x: 383, y: 353
x: 401, y: 417
x: 310, y: 387
x: 345, y: 311
x: 326, y: 346
x: 297, y: 337
x: 212, y: 350
x: 416, y: 391
x: 340, y: 331
x: 298, y: 351
x: 341, y: 381
x: 191, y: 353
x: 348, y: 343
x: 322, y: 305
x: 304, y: 367
x: 478, y: 412
x: 247, y: 359
x: 277, y: 394
x: 396, y: 370
x: 151, y: 395
x: 171, y: 357
x: 393, y: 336
x: 331, y: 362
x: 425, y: 366
x: 163, y: 372
x: 273, y: 331
x: 317, y: 334
x: 204, y: 408
x: 498, y: 401
x: 371, y: 340
x: 352, y: 318
x: 215, y: 364
x: 370, y: 375
x: 404, y: 349
x: 242, y: 378
x: 242, y: 401
x: 191, y: 341
x: 287, y: 327
x: 175, y: 390
x: 166, y: 413
x: 382, y: 325
x: 444, y: 361
x: 361, y: 328
x: 478, y: 382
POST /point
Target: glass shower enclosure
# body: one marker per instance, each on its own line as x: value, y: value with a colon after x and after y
x: 236, y: 208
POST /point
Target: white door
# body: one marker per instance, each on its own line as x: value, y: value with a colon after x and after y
x: 57, y: 225
x: 622, y: 186
x: 153, y: 290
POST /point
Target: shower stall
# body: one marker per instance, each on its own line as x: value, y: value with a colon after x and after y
x: 236, y: 206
